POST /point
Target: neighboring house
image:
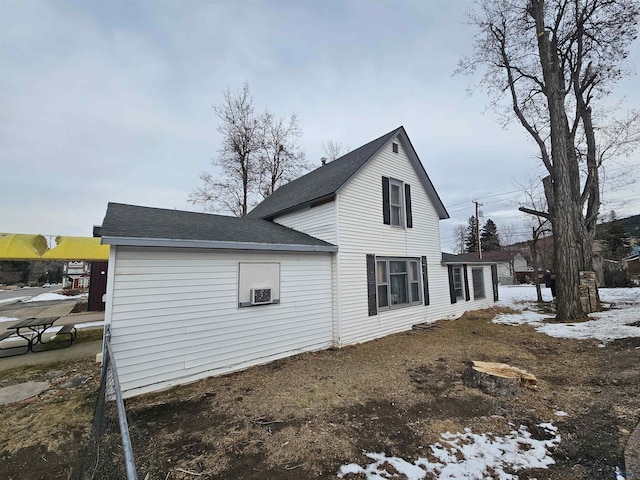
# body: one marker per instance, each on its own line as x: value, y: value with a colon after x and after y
x: 632, y: 264
x: 76, y: 275
x: 512, y: 266
x: 345, y: 254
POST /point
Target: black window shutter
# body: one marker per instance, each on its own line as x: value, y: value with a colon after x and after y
x: 425, y: 280
x: 452, y: 288
x: 407, y: 201
x: 466, y: 283
x: 386, y: 209
x: 371, y: 285
x: 494, y: 281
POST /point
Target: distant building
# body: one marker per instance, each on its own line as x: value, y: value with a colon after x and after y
x: 632, y: 263
x: 512, y: 266
x: 76, y: 275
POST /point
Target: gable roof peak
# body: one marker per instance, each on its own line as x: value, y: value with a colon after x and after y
x: 325, y: 181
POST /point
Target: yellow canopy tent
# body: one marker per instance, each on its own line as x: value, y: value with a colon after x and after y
x: 77, y: 248
x: 21, y: 246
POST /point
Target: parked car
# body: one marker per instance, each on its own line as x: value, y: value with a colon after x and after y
x: 46, y: 285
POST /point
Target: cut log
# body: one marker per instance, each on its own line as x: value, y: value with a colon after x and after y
x: 498, y: 379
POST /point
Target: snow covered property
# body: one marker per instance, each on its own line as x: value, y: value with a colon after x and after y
x: 348, y: 253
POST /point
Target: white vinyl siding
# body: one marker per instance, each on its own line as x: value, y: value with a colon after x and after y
x: 175, y: 317
x: 361, y: 231
x: 319, y: 222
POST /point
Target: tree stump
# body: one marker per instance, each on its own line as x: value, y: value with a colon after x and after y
x: 498, y: 379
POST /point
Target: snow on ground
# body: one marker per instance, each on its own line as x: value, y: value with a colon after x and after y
x: 475, y: 457
x: 8, y: 319
x: 48, y: 297
x: 624, y: 304
x: 467, y: 456
x: 55, y: 329
x: 12, y: 299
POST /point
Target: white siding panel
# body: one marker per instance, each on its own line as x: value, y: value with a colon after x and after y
x: 318, y: 221
x: 174, y: 314
x: 361, y: 231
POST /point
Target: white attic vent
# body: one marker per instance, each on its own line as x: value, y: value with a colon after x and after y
x: 261, y: 296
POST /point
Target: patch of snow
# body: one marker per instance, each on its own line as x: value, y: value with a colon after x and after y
x: 466, y: 456
x: 560, y: 413
x: 8, y: 319
x: 604, y: 326
x: 514, y: 295
x: 89, y: 325
x: 48, y: 297
x: 12, y: 299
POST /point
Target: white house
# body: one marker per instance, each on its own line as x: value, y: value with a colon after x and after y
x: 511, y: 264
x: 347, y: 253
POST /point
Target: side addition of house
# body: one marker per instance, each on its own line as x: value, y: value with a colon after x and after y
x: 348, y: 253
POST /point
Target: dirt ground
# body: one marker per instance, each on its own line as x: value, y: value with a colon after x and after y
x: 304, y: 416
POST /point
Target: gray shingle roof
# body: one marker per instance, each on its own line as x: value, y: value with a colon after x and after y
x: 463, y: 258
x: 325, y: 181
x: 134, y: 225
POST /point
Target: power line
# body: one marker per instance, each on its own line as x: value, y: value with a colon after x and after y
x: 486, y: 196
x: 520, y: 190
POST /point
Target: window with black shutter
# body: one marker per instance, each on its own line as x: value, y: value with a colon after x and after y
x: 371, y: 285
x: 397, y: 282
x: 425, y: 280
x: 396, y: 203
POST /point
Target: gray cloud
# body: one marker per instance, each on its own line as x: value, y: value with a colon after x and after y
x: 111, y: 101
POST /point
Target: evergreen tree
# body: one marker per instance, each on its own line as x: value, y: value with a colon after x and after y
x: 471, y: 241
x: 614, y: 236
x: 489, y: 239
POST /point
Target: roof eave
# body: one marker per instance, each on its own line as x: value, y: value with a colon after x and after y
x: 395, y: 133
x: 401, y: 134
x: 213, y: 244
x: 300, y: 206
x: 422, y: 174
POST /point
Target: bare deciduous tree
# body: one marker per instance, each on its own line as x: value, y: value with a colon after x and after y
x: 460, y: 233
x: 554, y: 59
x: 334, y: 149
x: 257, y: 155
x: 281, y: 160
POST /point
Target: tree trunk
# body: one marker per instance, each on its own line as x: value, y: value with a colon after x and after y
x: 534, y: 264
x: 498, y: 379
x: 566, y: 214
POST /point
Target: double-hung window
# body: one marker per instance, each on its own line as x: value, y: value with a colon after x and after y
x: 398, y: 282
x: 457, y: 282
x: 478, y: 283
x: 396, y: 203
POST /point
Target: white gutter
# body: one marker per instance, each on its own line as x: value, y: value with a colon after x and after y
x: 214, y: 244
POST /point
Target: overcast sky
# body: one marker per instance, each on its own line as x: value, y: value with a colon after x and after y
x: 111, y: 101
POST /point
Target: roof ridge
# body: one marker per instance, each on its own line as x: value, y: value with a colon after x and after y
x: 321, y: 182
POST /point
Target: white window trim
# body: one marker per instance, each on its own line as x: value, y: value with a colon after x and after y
x: 401, y: 214
x: 418, y: 280
x: 459, y: 268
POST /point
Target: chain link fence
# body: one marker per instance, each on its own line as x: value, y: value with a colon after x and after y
x: 108, y: 454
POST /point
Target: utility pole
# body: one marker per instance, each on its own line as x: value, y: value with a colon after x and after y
x: 478, y: 229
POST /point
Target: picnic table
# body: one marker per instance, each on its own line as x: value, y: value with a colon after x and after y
x: 33, y: 329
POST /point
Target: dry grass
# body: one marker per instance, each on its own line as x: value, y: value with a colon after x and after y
x: 304, y: 416
x: 57, y: 416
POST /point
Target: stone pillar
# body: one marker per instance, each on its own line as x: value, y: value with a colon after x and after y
x: 589, y: 292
